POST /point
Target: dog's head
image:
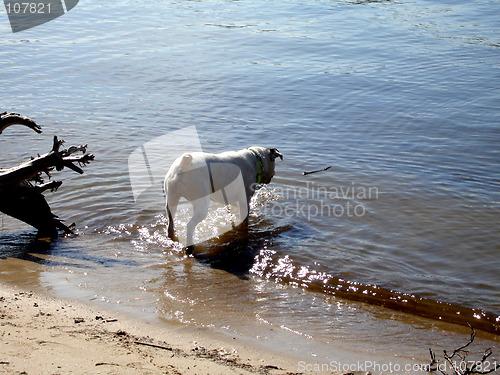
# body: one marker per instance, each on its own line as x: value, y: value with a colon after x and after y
x: 266, y: 156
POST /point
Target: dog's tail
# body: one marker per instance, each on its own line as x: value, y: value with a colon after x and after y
x: 185, y: 162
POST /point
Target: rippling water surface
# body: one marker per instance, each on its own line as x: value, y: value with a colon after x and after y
x: 401, y: 99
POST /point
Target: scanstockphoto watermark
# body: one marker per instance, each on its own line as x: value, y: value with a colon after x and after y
x: 24, y: 15
x: 376, y: 367
x: 371, y: 367
x: 313, y: 200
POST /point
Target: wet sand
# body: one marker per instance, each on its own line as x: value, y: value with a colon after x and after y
x: 43, y: 335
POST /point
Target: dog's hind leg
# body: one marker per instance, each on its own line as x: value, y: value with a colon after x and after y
x: 200, y: 211
x: 171, y: 207
x: 170, y: 228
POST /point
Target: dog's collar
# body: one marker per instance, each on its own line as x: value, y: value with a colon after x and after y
x: 260, y: 165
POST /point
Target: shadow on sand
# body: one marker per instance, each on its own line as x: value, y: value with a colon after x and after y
x: 26, y: 246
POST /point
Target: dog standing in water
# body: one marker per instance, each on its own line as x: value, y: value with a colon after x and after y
x: 229, y: 178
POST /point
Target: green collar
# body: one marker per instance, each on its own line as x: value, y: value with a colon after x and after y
x: 258, y: 179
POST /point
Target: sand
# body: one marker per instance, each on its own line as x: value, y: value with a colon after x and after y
x: 40, y: 334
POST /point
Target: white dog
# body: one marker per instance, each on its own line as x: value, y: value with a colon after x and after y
x: 229, y: 178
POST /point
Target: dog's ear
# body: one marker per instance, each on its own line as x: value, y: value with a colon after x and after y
x: 275, y: 153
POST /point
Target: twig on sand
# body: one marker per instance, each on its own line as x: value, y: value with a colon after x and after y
x: 106, y: 364
x: 153, y: 345
x: 319, y: 170
x: 463, y: 366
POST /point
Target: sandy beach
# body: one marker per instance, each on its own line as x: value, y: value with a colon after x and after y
x: 43, y: 335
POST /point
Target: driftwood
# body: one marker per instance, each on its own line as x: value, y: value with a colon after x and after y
x: 21, y: 187
x: 459, y: 364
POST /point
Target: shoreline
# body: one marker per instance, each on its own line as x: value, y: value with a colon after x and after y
x: 46, y: 329
x: 41, y: 334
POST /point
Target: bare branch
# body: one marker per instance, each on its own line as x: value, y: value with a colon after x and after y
x: 464, y: 366
x: 30, y: 170
x: 434, y: 365
x: 461, y: 349
x: 9, y: 119
x: 53, y: 186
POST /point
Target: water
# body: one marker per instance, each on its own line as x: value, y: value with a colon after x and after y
x: 401, y: 99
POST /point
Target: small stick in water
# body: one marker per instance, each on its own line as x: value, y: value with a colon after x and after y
x: 319, y: 170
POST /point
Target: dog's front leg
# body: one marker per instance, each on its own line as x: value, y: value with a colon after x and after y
x: 243, y: 209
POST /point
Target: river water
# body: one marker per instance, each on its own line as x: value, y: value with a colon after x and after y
x: 390, y: 251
